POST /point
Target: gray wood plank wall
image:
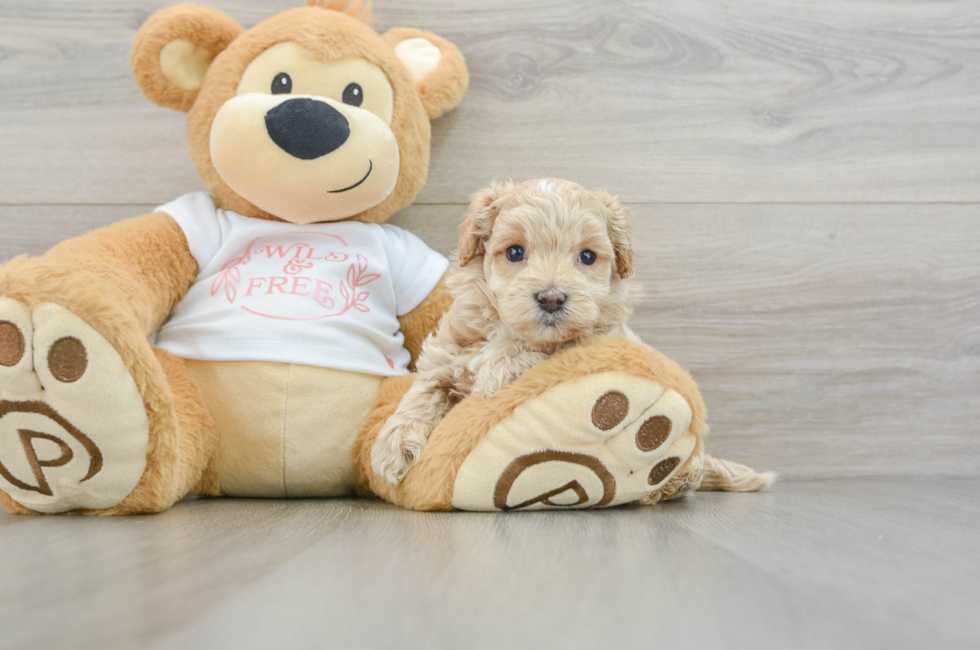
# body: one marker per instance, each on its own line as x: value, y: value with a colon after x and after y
x: 805, y: 179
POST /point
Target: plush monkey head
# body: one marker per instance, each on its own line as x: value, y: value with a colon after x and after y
x: 311, y: 115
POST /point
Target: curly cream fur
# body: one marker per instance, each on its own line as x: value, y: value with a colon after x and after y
x: 496, y: 329
x: 728, y: 476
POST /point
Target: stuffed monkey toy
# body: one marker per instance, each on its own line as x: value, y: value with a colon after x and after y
x: 287, y: 314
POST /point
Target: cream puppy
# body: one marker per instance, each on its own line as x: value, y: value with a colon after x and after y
x: 541, y: 266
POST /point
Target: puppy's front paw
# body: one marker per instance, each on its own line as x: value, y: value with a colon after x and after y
x: 398, y: 446
x: 498, y: 373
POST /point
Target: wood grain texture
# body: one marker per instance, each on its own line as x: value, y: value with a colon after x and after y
x: 674, y: 101
x: 828, y: 340
x: 850, y: 564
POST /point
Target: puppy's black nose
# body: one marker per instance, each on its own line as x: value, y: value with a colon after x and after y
x: 551, y: 300
x: 306, y: 128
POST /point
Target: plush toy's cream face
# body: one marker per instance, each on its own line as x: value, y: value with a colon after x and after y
x: 308, y: 140
x: 310, y: 116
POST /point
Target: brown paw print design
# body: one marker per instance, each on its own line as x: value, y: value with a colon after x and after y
x: 602, y: 441
x: 73, y: 428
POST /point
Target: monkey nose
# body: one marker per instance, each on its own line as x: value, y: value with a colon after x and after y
x: 551, y: 300
x: 307, y: 128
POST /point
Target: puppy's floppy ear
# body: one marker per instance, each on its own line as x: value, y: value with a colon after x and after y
x: 478, y: 222
x: 618, y: 219
x: 436, y: 65
x: 173, y: 50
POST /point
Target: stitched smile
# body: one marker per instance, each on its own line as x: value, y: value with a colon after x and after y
x: 370, y: 168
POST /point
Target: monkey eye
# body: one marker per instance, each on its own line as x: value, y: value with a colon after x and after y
x: 515, y: 254
x: 353, y: 94
x: 587, y: 257
x: 282, y: 84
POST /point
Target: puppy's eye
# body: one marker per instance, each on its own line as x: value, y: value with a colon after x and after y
x: 587, y: 257
x: 282, y: 84
x: 515, y: 254
x: 353, y: 95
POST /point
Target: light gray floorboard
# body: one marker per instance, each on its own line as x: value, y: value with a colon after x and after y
x: 851, y: 564
x: 675, y: 101
x: 831, y: 340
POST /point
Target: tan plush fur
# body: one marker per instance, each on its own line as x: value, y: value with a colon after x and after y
x: 429, y: 485
x: 146, y: 259
x: 181, y: 449
x: 443, y: 89
x: 326, y: 33
x: 101, y: 297
x: 125, y: 280
x: 360, y: 9
x: 206, y: 28
x: 329, y: 35
x: 13, y: 507
x: 184, y: 441
x: 498, y: 326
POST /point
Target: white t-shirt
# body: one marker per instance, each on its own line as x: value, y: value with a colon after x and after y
x: 323, y: 294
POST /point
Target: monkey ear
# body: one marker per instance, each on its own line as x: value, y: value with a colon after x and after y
x: 478, y: 222
x: 620, y: 231
x: 173, y: 50
x: 436, y: 65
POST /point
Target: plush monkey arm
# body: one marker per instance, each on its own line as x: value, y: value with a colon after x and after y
x: 417, y: 324
x: 146, y: 259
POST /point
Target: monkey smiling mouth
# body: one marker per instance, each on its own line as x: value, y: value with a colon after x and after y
x: 370, y: 169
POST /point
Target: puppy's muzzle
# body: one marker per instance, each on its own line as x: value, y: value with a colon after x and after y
x: 551, y: 301
x: 307, y: 129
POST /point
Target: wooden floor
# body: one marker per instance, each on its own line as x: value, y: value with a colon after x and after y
x: 805, y: 178
x: 864, y: 564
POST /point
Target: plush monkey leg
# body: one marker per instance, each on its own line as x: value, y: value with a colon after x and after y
x: 599, y: 425
x: 117, y: 438
x: 94, y: 424
x: 92, y: 419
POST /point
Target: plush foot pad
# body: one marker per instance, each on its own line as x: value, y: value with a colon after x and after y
x: 603, y: 440
x: 73, y: 429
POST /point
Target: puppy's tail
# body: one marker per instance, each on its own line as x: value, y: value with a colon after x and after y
x: 727, y: 476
